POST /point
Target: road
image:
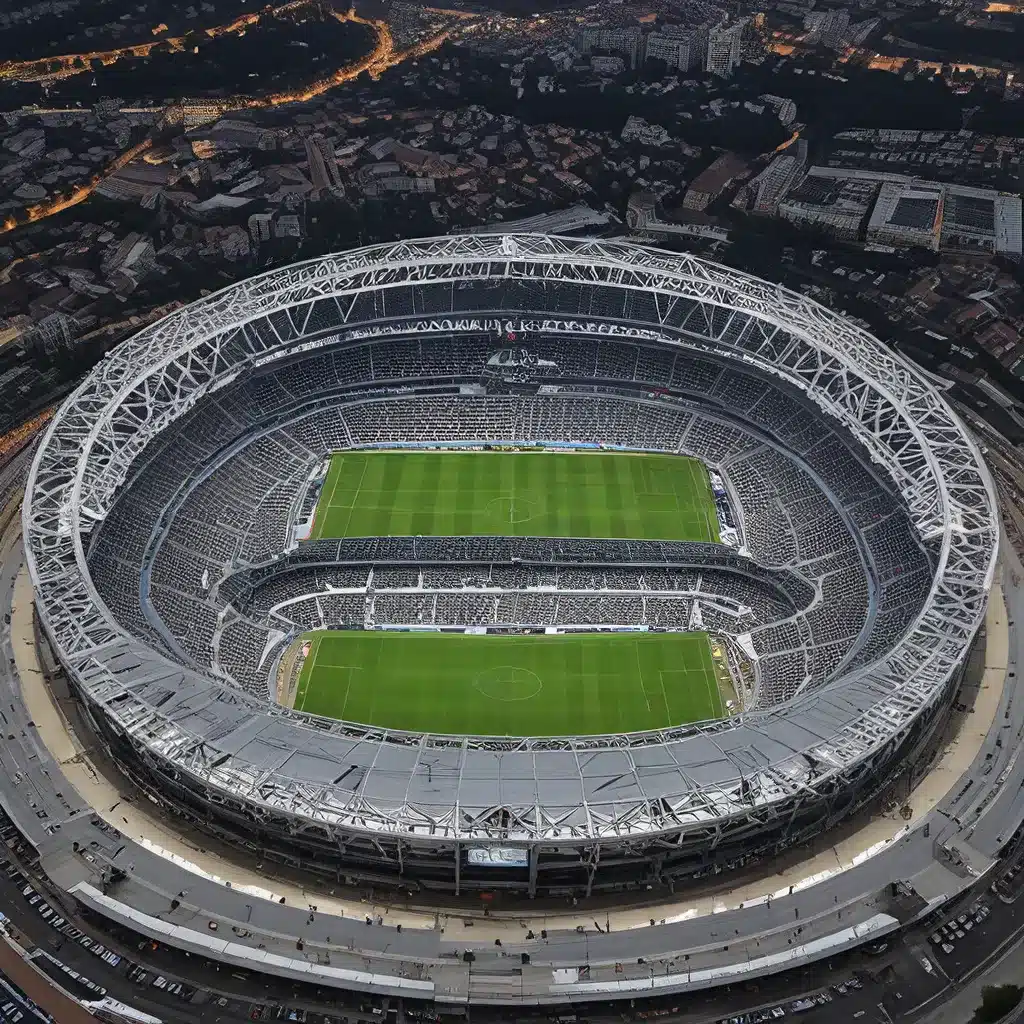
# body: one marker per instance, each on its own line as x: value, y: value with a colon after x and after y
x: 65, y: 65
x: 382, y: 56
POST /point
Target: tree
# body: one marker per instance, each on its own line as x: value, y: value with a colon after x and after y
x: 996, y: 1002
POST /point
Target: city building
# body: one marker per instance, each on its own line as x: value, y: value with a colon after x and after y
x: 766, y: 191
x: 229, y: 133
x: 725, y: 44
x: 15, y: 381
x: 642, y: 217
x: 399, y: 183
x: 937, y: 215
x: 134, y: 183
x: 713, y: 181
x: 607, y: 65
x: 323, y: 167
x: 10, y: 330
x: 681, y: 49
x: 561, y: 222
x: 194, y: 113
x: 287, y: 226
x: 636, y: 129
x: 1001, y: 340
x: 29, y: 144
x: 52, y: 334
x: 860, y: 30
x: 260, y: 226
x: 907, y: 214
x: 785, y: 108
x: 836, y: 205
x: 424, y: 162
x: 133, y: 252
x: 981, y: 220
x: 830, y: 28
x: 627, y: 41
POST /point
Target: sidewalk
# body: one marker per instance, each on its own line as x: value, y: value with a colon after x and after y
x: 958, y: 1006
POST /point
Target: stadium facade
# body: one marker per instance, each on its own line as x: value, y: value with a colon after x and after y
x: 162, y: 507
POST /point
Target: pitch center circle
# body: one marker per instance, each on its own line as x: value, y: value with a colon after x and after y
x: 511, y: 509
x: 508, y: 683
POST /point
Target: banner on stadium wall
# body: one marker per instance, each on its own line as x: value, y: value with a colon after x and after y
x: 498, y: 857
x: 444, y: 446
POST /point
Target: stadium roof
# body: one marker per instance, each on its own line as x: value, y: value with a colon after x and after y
x: 291, y: 767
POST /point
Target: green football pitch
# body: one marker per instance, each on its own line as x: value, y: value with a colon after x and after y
x: 501, y: 685
x: 526, y: 494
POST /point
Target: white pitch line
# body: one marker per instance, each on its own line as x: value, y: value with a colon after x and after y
x: 640, y: 674
x: 330, y: 500
x: 359, y: 487
x: 312, y: 668
x: 714, y: 675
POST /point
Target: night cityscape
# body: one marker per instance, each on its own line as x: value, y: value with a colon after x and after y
x: 511, y: 512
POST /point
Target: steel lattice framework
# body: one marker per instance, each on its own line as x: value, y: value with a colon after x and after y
x: 591, y: 790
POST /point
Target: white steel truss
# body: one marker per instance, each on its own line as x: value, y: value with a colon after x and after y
x: 151, y: 380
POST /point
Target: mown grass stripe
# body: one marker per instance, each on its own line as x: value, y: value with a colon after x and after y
x: 613, y: 495
x: 500, y: 685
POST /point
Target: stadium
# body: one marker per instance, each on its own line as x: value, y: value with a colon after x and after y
x: 510, y: 562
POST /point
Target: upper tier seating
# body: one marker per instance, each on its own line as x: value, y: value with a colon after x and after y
x: 233, y: 473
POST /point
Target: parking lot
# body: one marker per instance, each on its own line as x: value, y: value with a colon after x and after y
x: 809, y: 1002
x: 946, y: 937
